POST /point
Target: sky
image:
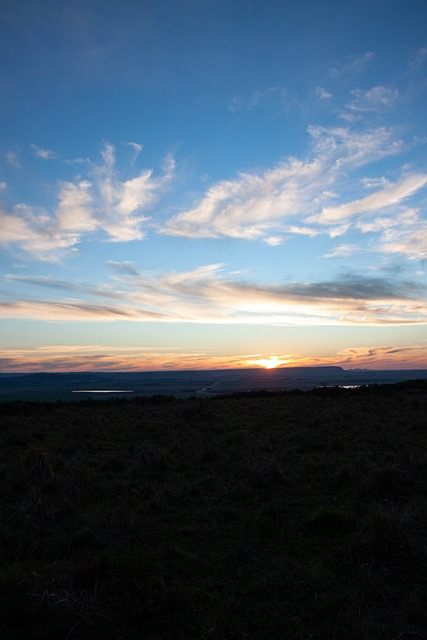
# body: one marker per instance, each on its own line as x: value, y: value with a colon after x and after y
x: 212, y: 184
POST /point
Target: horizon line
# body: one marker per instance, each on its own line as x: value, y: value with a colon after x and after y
x: 224, y: 369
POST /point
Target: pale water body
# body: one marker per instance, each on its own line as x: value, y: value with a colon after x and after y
x: 341, y: 386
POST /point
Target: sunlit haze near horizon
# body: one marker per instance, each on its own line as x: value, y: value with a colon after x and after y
x: 211, y: 184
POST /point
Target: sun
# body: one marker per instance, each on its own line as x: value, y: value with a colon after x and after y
x: 272, y: 362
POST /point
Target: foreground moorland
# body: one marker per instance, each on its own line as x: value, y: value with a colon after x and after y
x: 278, y: 516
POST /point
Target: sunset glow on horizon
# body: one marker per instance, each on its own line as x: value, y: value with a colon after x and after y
x: 80, y: 358
x: 213, y: 185
x: 269, y: 363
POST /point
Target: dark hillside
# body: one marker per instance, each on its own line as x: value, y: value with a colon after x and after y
x: 299, y: 515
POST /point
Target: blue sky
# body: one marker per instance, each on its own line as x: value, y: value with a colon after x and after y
x: 194, y: 184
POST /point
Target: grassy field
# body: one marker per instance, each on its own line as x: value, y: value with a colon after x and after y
x: 289, y: 516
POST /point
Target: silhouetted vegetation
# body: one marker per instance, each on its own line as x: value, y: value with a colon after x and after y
x: 291, y: 516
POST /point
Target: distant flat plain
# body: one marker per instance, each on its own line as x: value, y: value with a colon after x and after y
x: 181, y: 384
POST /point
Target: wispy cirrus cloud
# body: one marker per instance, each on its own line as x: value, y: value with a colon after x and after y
x: 123, y: 201
x: 75, y: 212
x: 390, y: 195
x: 378, y: 98
x: 342, y: 251
x: 209, y: 295
x: 351, y: 65
x: 274, y: 241
x: 408, y: 241
x: 136, y: 149
x: 404, y: 218
x: 373, y: 183
x: 101, y: 203
x: 291, y: 198
x: 322, y: 93
x: 248, y: 207
x: 19, y: 227
x: 43, y: 234
x: 71, y: 311
x: 258, y: 205
x: 12, y: 159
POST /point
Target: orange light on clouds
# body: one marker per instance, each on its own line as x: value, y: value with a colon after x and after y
x: 137, y: 358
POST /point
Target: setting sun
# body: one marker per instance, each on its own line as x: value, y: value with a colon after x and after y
x: 268, y: 363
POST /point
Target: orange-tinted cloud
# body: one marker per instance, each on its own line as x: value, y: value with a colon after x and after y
x: 103, y: 358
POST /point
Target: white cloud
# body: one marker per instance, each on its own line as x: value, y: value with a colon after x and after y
x: 406, y: 241
x: 77, y: 161
x: 136, y: 148
x: 15, y: 228
x: 44, y: 154
x: 392, y: 194
x: 302, y: 231
x: 377, y: 98
x: 378, y: 224
x: 351, y: 148
x: 340, y: 230
x: 12, y: 158
x: 342, y: 251
x: 248, y: 206
x: 322, y: 93
x: 274, y: 241
x: 3, y: 186
x: 210, y: 295
x: 123, y: 201
x: 359, y: 62
x: 255, y: 205
x: 374, y: 183
x: 42, y: 234
x: 351, y: 65
x: 100, y: 203
x: 74, y: 212
x: 403, y: 218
